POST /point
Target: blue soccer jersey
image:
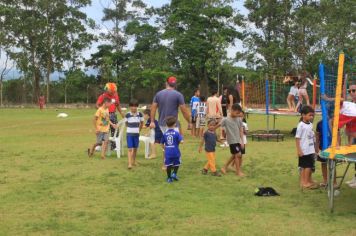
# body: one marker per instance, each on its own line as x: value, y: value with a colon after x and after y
x: 171, y: 140
x: 194, y: 102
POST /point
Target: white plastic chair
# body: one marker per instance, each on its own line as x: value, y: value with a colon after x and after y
x: 118, y: 138
x: 146, y: 141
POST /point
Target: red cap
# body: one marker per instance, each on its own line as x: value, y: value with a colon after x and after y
x: 172, y: 80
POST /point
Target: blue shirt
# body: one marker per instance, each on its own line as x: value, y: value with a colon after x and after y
x: 158, y: 131
x: 319, y: 129
x: 171, y: 140
x: 133, y: 122
x: 210, y: 141
x: 194, y: 102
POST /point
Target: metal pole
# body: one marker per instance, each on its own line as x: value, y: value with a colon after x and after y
x: 274, y: 92
x: 218, y: 83
x: 267, y: 103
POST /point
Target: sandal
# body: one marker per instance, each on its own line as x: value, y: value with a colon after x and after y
x: 310, y: 187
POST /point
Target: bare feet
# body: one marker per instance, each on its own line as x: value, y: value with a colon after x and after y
x: 152, y: 157
x: 102, y: 157
x: 223, y: 170
x: 240, y: 174
x: 129, y: 167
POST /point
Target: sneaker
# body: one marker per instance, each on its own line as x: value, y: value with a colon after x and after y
x: 169, y: 180
x: 353, y: 180
x: 217, y: 174
x: 224, y: 145
x: 204, y: 171
x: 175, y: 177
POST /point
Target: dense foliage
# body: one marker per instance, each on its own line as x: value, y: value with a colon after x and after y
x: 143, y: 45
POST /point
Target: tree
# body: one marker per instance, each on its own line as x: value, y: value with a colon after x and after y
x: 47, y: 32
x: 119, y: 12
x: 199, y: 32
x: 4, y: 70
x: 269, y: 35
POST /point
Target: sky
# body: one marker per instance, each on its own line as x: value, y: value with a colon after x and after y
x: 95, y: 11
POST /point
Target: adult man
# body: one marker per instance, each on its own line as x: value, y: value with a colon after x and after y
x: 214, y: 110
x: 111, y: 93
x: 168, y: 101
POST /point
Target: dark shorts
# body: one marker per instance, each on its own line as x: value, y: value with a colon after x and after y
x: 172, y: 161
x: 306, y: 161
x: 194, y: 119
x: 235, y: 148
x: 322, y: 160
x: 243, y: 151
x: 132, y: 141
x: 224, y: 110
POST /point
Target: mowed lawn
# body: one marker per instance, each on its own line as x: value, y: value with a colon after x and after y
x: 48, y: 186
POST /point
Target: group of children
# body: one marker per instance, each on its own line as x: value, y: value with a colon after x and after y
x: 170, y: 140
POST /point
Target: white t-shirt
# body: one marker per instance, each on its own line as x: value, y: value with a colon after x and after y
x: 244, y: 124
x: 348, y: 109
x: 307, y: 138
x: 294, y: 91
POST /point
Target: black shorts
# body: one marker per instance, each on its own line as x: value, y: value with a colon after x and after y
x: 322, y: 160
x: 194, y: 119
x: 306, y: 161
x: 235, y: 148
x: 243, y: 150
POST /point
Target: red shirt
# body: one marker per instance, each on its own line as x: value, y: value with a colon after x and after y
x: 115, y: 100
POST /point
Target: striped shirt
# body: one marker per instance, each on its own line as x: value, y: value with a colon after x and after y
x: 202, y: 109
x: 133, y: 123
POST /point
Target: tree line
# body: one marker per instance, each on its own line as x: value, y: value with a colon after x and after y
x: 187, y: 38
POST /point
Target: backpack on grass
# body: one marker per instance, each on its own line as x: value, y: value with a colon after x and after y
x: 266, y: 192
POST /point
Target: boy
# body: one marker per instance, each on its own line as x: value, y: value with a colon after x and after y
x: 234, y: 137
x: 214, y: 110
x: 102, y: 124
x: 154, y: 134
x: 170, y: 142
x: 134, y: 123
x: 244, y: 139
x: 210, y: 143
x: 194, y: 102
x: 305, y: 143
x: 201, y: 116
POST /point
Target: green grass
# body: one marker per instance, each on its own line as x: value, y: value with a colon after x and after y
x: 48, y: 186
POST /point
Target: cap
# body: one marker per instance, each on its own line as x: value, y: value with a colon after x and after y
x: 172, y: 80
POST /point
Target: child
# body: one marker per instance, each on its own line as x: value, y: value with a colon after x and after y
x: 234, y: 137
x: 134, y: 123
x: 305, y: 143
x: 102, y: 124
x: 293, y: 96
x: 170, y: 142
x: 194, y: 102
x: 244, y: 139
x: 155, y: 134
x: 210, y: 143
x: 201, y: 116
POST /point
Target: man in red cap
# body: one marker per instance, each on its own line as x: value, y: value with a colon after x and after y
x: 168, y: 101
x: 111, y: 93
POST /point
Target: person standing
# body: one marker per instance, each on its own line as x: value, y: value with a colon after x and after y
x: 111, y: 93
x: 214, y: 110
x: 194, y: 103
x: 41, y: 102
x: 168, y: 101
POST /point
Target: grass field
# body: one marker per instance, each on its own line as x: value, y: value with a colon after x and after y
x: 48, y: 186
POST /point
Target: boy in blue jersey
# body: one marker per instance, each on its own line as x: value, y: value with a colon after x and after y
x: 194, y: 102
x: 134, y: 122
x: 170, y: 142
